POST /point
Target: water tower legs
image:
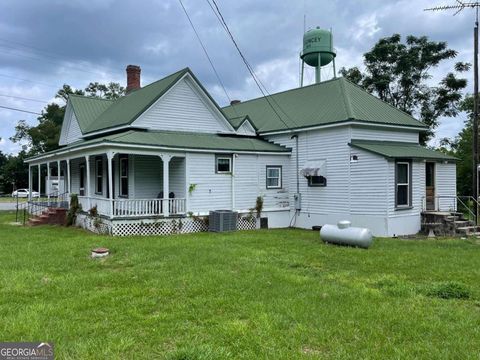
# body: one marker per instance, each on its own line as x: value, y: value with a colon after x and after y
x: 318, y: 75
x: 301, y: 75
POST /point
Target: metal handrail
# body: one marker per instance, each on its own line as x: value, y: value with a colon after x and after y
x: 35, y: 206
x: 463, y: 200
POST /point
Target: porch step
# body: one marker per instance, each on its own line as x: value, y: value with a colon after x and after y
x: 468, y: 230
x: 54, y: 216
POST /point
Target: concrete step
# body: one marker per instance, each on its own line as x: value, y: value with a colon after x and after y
x: 467, y: 229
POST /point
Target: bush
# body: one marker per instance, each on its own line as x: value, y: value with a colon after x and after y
x: 449, y: 290
x: 75, y: 207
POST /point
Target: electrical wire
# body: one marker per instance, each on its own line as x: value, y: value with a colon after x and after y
x: 28, y: 80
x: 205, y: 51
x: 20, y: 110
x: 255, y: 78
x: 23, y: 98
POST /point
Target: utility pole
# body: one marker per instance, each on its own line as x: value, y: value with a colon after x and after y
x: 459, y: 6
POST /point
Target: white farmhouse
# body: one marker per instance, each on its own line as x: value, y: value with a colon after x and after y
x: 160, y: 157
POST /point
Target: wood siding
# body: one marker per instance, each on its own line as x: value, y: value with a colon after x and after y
x: 371, y: 133
x: 446, y: 184
x: 183, y: 108
x: 70, y: 129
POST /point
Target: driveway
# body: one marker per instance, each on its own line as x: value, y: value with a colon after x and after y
x: 8, y: 205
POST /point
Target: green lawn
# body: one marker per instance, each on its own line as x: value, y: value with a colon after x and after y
x: 276, y: 294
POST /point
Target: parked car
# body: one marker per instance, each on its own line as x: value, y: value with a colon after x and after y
x: 23, y: 193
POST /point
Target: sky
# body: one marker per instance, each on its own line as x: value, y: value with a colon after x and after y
x: 45, y: 44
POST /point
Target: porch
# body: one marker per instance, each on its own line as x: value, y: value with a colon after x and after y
x: 116, y: 185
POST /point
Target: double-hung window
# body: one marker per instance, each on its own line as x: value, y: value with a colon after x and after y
x: 403, y: 184
x: 123, y: 159
x: 223, y: 164
x: 98, y: 175
x: 274, y: 177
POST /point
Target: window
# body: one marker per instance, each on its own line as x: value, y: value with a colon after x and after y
x: 274, y: 177
x: 98, y: 175
x: 223, y: 164
x: 82, y: 180
x: 402, y: 184
x: 317, y: 181
x: 123, y: 175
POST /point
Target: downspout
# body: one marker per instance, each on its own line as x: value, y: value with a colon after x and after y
x: 233, y: 181
x: 296, y: 160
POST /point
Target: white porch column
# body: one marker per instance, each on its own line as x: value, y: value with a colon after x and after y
x: 166, y: 161
x: 68, y: 177
x: 58, y: 176
x: 110, y: 180
x: 47, y: 190
x: 40, y: 179
x: 87, y: 171
x: 29, y: 182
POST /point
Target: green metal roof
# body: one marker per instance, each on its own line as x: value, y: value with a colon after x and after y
x: 127, y: 108
x: 332, y: 101
x: 180, y: 140
x: 396, y: 150
x: 87, y: 109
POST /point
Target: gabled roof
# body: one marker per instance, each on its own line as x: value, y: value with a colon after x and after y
x: 398, y: 150
x: 334, y: 101
x: 236, y: 122
x: 87, y: 109
x: 127, y: 108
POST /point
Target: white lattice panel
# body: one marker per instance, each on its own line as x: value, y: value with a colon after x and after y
x: 155, y: 227
x: 247, y: 223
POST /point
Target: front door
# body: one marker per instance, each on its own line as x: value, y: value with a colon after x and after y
x: 430, y: 185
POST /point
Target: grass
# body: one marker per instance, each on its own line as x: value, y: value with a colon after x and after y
x: 275, y: 294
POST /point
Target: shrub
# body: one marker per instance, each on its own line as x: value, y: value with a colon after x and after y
x: 75, y: 208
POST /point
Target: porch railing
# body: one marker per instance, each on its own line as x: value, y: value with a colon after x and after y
x: 461, y: 204
x: 125, y: 208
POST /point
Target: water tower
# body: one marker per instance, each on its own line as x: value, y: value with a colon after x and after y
x: 317, y: 51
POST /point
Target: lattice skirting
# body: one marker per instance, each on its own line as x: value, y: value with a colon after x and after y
x: 155, y: 226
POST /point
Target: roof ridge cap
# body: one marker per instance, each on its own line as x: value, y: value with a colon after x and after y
x: 346, y: 100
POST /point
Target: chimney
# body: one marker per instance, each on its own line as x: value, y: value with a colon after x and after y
x: 235, y: 102
x: 133, y: 78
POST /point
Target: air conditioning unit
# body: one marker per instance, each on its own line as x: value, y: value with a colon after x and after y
x: 222, y: 220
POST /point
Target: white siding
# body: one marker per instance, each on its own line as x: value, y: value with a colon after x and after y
x: 250, y: 181
x: 446, y: 185
x: 177, y: 176
x: 417, y: 191
x: 148, y: 178
x: 246, y: 129
x: 368, y: 178
x: 330, y: 145
x: 371, y: 133
x: 70, y: 129
x: 183, y: 108
x: 212, y: 191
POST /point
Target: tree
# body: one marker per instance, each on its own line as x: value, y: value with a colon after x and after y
x: 461, y: 148
x: 44, y: 136
x: 13, y: 172
x: 400, y: 74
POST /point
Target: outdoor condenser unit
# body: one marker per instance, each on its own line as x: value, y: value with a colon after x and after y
x: 222, y: 220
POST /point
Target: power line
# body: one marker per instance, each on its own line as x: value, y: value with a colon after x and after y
x: 24, y: 98
x: 28, y: 80
x: 20, y: 110
x: 205, y: 51
x: 257, y: 81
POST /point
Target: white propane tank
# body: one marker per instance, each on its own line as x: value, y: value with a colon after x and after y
x: 344, y: 234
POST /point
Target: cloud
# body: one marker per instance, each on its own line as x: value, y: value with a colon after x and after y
x: 54, y: 42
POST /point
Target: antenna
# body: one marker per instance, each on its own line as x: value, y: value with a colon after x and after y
x: 460, y: 6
